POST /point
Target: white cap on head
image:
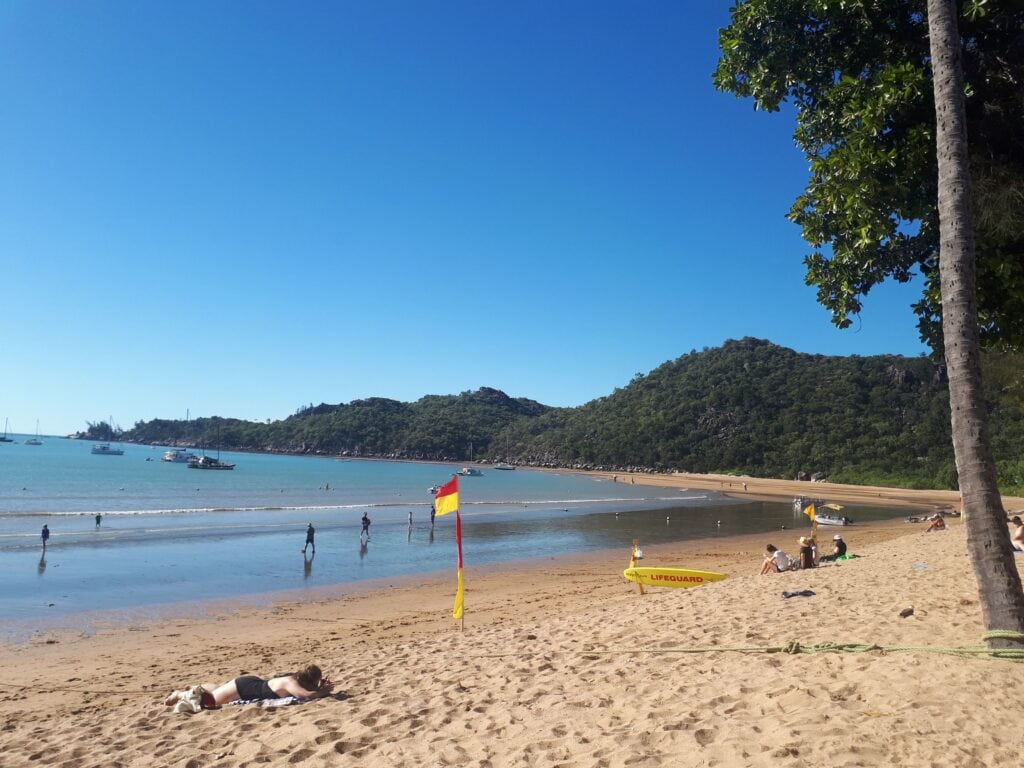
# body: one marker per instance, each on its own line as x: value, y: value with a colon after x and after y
x: 837, y: 537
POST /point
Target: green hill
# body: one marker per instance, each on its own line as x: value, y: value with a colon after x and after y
x: 747, y: 407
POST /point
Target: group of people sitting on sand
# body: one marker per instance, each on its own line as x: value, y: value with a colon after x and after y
x: 776, y: 561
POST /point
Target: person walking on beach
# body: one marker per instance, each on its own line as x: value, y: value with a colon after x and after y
x: 366, y: 525
x: 99, y: 517
x: 433, y: 514
x: 45, y: 535
x: 310, y: 533
x: 410, y: 518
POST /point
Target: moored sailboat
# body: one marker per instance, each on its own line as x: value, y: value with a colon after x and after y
x: 35, y: 440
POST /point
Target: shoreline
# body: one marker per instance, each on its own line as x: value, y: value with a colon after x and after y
x: 561, y: 663
x: 95, y: 623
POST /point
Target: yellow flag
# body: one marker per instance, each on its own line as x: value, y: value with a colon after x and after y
x: 810, y: 512
x: 460, y: 595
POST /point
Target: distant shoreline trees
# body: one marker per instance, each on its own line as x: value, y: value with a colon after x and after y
x: 747, y: 407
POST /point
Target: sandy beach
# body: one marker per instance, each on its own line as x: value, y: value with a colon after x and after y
x: 562, y: 663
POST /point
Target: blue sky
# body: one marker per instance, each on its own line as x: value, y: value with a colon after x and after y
x: 239, y: 208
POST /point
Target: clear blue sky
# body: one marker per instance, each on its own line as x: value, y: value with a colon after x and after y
x: 239, y: 208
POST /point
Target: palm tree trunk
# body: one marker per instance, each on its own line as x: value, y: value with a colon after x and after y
x: 988, y: 539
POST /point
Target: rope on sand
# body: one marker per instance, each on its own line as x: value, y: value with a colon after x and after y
x: 795, y: 647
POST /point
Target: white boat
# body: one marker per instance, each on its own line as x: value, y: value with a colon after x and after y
x: 834, y: 517
x: 35, y: 440
x: 469, y: 472
x: 178, y: 456
x: 504, y: 464
x: 104, y: 449
x: 825, y: 519
x: 5, y: 438
x: 208, y: 462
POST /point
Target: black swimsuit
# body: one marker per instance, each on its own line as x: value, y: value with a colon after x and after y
x: 252, y: 687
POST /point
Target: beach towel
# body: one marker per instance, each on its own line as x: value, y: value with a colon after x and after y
x: 283, y: 701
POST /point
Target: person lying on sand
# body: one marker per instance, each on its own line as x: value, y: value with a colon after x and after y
x: 775, y: 560
x: 308, y: 683
x: 938, y: 524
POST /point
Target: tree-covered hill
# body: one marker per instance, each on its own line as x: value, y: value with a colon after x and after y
x: 747, y: 407
x: 450, y: 427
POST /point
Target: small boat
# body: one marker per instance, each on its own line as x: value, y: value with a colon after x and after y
x: 800, y: 503
x: 208, y: 462
x: 469, y: 472
x: 35, y: 440
x: 504, y: 465
x: 434, y: 489
x: 104, y: 449
x: 5, y: 438
x: 826, y: 519
x: 178, y: 456
x: 834, y: 517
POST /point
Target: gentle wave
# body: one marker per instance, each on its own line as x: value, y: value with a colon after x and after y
x: 328, y: 507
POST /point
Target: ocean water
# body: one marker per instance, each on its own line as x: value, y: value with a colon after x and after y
x: 170, y: 534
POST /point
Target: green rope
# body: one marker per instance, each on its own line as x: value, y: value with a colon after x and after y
x: 794, y: 647
x: 1012, y: 654
x: 1004, y: 633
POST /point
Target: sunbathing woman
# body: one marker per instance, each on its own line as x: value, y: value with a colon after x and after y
x: 307, y: 683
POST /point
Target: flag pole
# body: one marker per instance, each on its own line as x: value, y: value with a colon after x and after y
x: 446, y: 501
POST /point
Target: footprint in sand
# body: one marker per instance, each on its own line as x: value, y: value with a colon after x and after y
x: 704, y: 736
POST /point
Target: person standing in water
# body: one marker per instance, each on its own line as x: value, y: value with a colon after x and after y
x: 45, y: 536
x: 310, y: 534
x: 99, y: 517
x: 433, y: 514
x: 366, y: 525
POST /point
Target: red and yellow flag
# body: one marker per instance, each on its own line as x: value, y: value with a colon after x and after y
x: 445, y: 502
x: 447, y: 498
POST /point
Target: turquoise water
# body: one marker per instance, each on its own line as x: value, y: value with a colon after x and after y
x: 171, y: 534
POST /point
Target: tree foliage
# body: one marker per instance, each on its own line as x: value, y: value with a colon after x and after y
x: 747, y: 407
x: 858, y: 74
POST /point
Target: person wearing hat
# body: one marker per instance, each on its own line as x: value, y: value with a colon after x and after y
x: 806, y: 553
x: 838, y: 548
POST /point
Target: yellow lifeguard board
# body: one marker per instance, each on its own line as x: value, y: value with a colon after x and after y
x: 671, y: 577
